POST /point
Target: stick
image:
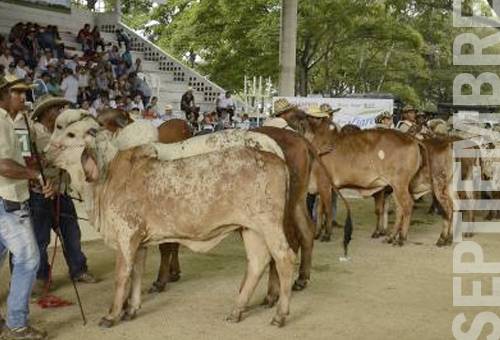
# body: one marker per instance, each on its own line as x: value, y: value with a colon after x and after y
x: 57, y: 229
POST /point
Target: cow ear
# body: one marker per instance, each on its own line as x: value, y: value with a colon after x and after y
x: 89, y: 165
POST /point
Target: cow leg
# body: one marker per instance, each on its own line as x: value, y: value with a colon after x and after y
x: 446, y: 202
x: 134, y: 302
x: 326, y: 199
x: 379, y: 211
x: 404, y: 207
x: 162, y: 279
x: 125, y: 258
x: 258, y: 258
x: 273, y: 286
x: 320, y: 221
x: 175, y: 267
x: 306, y: 228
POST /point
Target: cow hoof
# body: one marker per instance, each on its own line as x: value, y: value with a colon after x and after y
x: 157, y: 287
x: 326, y: 238
x: 174, y: 277
x: 388, y: 240
x: 337, y: 225
x: 278, y: 321
x: 234, y: 317
x: 106, y: 323
x: 398, y: 242
x: 129, y: 316
x: 317, y: 236
x: 299, y: 285
x: 441, y: 242
x: 376, y: 234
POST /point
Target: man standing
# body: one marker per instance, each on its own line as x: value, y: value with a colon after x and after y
x: 44, y: 116
x: 409, y: 119
x: 16, y: 232
x: 70, y: 87
x: 384, y: 120
x: 225, y: 106
x: 188, y: 106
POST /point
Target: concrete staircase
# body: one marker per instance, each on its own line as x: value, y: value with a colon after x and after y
x: 168, y: 77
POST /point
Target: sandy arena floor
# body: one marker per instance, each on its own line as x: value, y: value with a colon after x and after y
x: 385, y: 292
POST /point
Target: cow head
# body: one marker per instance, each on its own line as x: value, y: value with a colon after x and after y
x: 73, y: 149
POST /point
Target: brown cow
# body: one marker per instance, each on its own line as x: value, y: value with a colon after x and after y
x: 369, y: 161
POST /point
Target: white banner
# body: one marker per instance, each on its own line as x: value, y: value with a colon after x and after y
x: 61, y: 3
x: 356, y: 111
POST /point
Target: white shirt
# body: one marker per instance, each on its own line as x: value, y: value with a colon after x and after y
x: 224, y: 102
x: 6, y: 61
x: 20, y: 72
x: 70, y: 87
x: 83, y: 80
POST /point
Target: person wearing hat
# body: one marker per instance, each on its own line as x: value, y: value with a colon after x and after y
x: 16, y: 231
x: 409, y: 119
x: 384, y: 120
x: 44, y: 115
x: 284, y: 115
x: 328, y: 109
x: 168, y: 113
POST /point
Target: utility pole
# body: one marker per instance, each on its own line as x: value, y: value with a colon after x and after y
x: 288, y: 47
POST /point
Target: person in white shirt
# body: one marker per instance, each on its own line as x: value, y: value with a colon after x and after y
x: 21, y: 72
x: 11, y: 70
x: 225, y: 105
x: 83, y: 77
x: 86, y: 106
x: 244, y: 123
x: 69, y: 86
x: 137, y: 104
x: 6, y: 58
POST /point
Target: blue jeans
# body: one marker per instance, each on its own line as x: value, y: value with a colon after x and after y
x: 16, y: 236
x: 43, y: 221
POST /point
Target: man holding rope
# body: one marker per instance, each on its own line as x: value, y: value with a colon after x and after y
x: 44, y: 115
x: 16, y: 232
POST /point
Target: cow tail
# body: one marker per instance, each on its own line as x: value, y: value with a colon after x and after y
x: 348, y: 224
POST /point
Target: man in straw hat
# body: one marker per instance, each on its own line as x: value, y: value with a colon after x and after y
x: 16, y: 231
x: 328, y: 109
x: 384, y: 120
x: 409, y: 119
x: 45, y: 112
x: 284, y: 115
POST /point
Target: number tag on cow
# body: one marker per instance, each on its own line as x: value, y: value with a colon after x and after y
x: 22, y: 134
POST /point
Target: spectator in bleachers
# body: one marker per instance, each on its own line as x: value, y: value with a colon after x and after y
x: 121, y: 69
x: 137, y: 66
x: 188, y: 105
x: 69, y: 86
x: 244, y: 123
x: 84, y: 94
x: 153, y: 102
x: 11, y: 70
x: 84, y: 37
x: 21, y: 69
x: 137, y: 103
x: 41, y: 82
x: 19, y: 51
x: 122, y: 37
x: 102, y: 81
x: 149, y: 113
x: 85, y: 105
x: 17, y: 32
x: 46, y: 38
x: 53, y: 85
x: 97, y: 39
x: 83, y: 76
x: 72, y: 63
x: 168, y: 113
x: 145, y: 91
x: 32, y: 46
x: 6, y: 58
x: 102, y: 102
x: 114, y: 55
x: 127, y: 58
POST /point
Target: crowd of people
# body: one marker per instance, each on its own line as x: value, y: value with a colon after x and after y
x: 104, y: 76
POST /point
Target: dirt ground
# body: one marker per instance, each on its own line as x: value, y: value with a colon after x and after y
x: 385, y: 292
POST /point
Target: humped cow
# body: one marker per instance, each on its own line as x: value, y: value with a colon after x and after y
x: 189, y: 193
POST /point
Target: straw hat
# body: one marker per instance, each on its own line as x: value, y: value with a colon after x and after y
x: 382, y: 116
x: 282, y: 105
x: 409, y: 108
x: 316, y: 112
x: 328, y: 109
x: 46, y: 102
x: 169, y: 108
x: 14, y: 83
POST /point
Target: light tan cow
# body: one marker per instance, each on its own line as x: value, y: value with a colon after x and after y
x: 136, y: 200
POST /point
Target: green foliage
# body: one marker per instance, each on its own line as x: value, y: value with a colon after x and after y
x: 343, y: 46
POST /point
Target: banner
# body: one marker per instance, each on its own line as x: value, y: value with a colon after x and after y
x: 58, y: 3
x: 356, y: 111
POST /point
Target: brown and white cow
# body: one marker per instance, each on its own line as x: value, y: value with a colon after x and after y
x: 136, y: 200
